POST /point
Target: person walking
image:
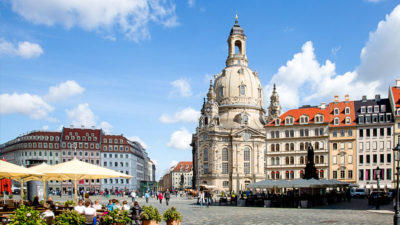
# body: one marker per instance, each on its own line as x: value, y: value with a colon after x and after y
x: 201, y: 200
x: 167, y: 196
x: 133, y: 195
x: 208, y: 198
x: 160, y: 196
x: 147, y: 196
x: 136, y: 210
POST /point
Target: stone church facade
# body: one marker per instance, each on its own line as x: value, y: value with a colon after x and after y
x: 229, y: 143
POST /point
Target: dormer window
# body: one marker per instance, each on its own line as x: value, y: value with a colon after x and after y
x: 245, y: 119
x: 336, y: 121
x: 383, y: 108
x: 360, y: 119
x: 348, y: 120
x: 336, y: 111
x: 347, y: 110
x: 363, y: 109
x: 289, y: 121
x: 376, y: 109
x: 242, y: 89
x: 319, y: 119
x: 370, y: 109
x: 278, y: 122
x: 303, y: 119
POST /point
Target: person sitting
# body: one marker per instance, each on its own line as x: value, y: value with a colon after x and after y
x: 36, y: 201
x: 135, y: 212
x: 125, y: 206
x: 51, y: 203
x: 110, y: 205
x: 89, y: 213
x: 48, y: 215
x: 79, y: 208
x: 117, y: 205
x: 97, y: 205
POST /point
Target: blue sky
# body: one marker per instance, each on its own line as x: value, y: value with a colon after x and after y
x: 142, y: 68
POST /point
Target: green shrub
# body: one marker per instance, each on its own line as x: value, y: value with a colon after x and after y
x: 172, y: 214
x: 70, y: 217
x: 27, y: 216
x: 150, y: 213
x: 116, y: 216
x: 69, y: 203
x: 10, y: 196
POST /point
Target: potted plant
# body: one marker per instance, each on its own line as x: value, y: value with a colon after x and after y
x: 10, y: 196
x: 70, y: 217
x: 117, y: 217
x: 69, y: 203
x: 26, y: 215
x: 150, y: 216
x: 172, y: 216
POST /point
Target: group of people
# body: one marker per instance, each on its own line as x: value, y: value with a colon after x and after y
x: 166, y: 195
x: 205, y: 198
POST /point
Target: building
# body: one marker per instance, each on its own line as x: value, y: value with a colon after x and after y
x: 394, y: 98
x: 374, y: 142
x: 86, y: 144
x: 181, y: 176
x: 288, y: 138
x: 229, y: 142
x: 342, y: 140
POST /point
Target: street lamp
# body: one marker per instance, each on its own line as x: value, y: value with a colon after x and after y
x: 378, y: 173
x: 396, y: 153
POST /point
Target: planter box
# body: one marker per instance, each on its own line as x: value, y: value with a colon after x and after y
x: 149, y: 222
x: 173, y: 222
x: 267, y: 203
x: 303, y: 203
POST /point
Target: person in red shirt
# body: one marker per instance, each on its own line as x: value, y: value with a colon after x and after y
x: 160, y: 196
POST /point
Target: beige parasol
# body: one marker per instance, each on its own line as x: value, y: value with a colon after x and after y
x: 41, y: 168
x: 76, y: 170
x: 15, y: 172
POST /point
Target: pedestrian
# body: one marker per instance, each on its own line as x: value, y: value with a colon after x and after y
x: 133, y: 195
x: 147, y: 196
x: 201, y: 199
x: 160, y: 196
x: 167, y: 196
x: 208, y: 198
x: 135, y: 212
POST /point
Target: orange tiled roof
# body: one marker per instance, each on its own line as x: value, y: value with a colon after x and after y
x: 297, y: 113
x: 396, y: 96
x: 184, y: 165
x: 342, y: 116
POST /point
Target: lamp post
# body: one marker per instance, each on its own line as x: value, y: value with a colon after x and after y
x: 378, y: 173
x: 396, y: 153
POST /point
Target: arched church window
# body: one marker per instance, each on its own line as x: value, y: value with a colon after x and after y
x: 287, y: 146
x: 245, y: 119
x: 238, y: 47
x: 206, y: 121
x: 242, y: 89
x: 277, y: 160
x: 205, y: 154
x: 224, y: 154
x: 277, y: 147
x: 246, y: 160
x: 272, y: 148
x: 221, y: 91
x: 287, y: 160
x: 301, y: 160
x: 272, y: 161
x: 291, y: 146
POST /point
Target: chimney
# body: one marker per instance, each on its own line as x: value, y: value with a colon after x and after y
x: 323, y: 105
x: 364, y: 98
x: 346, y: 97
x: 377, y: 97
x: 336, y: 98
x: 398, y: 82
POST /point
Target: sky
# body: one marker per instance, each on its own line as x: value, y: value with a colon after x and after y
x: 141, y: 68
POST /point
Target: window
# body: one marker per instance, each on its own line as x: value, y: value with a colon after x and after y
x: 334, y: 159
x: 374, y: 118
x: 360, y: 174
x: 375, y: 132
x: 336, y: 111
x: 205, y: 168
x: 374, y: 158
x: 369, y: 109
x: 389, y: 174
x: 361, y: 119
x: 301, y: 160
x: 389, y: 131
x: 205, y: 154
x: 334, y: 146
x: 286, y: 133
x: 361, y: 133
x: 368, y: 159
x: 368, y: 132
x: 367, y: 119
x: 242, y: 89
x: 381, y: 145
x: 348, y: 120
x: 225, y: 184
x: 247, y: 168
x: 347, y: 110
x: 389, y: 158
x: 350, y: 174
x: 367, y: 174
x: 224, y: 167
x: 381, y: 158
x: 301, y: 133
x: 334, y: 174
x: 350, y: 159
x: 376, y: 108
x: 105, y: 164
x: 291, y: 133
x: 272, y: 134
x: 342, y: 174
x: 334, y: 133
x: 363, y: 109
x: 360, y: 159
x: 374, y: 145
x: 336, y: 121
x: 246, y: 154
x: 342, y: 133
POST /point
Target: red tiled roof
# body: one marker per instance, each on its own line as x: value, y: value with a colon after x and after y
x: 396, y: 96
x: 82, y: 132
x: 118, y: 137
x: 296, y: 113
x: 184, y: 165
x: 342, y: 116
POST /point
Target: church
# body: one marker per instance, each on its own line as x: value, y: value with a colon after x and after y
x: 229, y: 145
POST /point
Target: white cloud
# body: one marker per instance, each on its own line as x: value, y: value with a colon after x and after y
x: 173, y: 163
x: 82, y: 115
x: 107, y: 127
x: 182, y: 88
x: 180, y: 139
x: 137, y: 139
x: 186, y: 115
x: 130, y: 17
x: 191, y: 3
x: 335, y: 50
x: 303, y: 80
x: 374, y: 1
x: 32, y: 105
x: 64, y: 90
x: 24, y: 49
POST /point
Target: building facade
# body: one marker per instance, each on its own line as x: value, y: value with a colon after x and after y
x: 88, y: 145
x: 342, y: 136
x: 374, y: 142
x: 229, y: 142
x: 182, y: 175
x: 288, y: 138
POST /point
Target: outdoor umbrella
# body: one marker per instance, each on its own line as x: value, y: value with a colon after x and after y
x: 263, y: 184
x: 41, y: 168
x: 15, y: 172
x: 76, y: 170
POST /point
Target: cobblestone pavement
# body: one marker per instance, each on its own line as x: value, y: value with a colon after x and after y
x: 355, y: 212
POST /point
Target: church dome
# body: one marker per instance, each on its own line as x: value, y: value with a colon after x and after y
x: 239, y: 86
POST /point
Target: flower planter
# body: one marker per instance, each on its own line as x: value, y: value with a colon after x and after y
x: 173, y: 222
x: 304, y: 203
x: 149, y: 222
x: 267, y: 203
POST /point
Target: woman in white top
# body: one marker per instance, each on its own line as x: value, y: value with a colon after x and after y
x: 89, y: 211
x: 79, y: 208
x: 97, y: 205
x: 125, y: 206
x: 47, y: 213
